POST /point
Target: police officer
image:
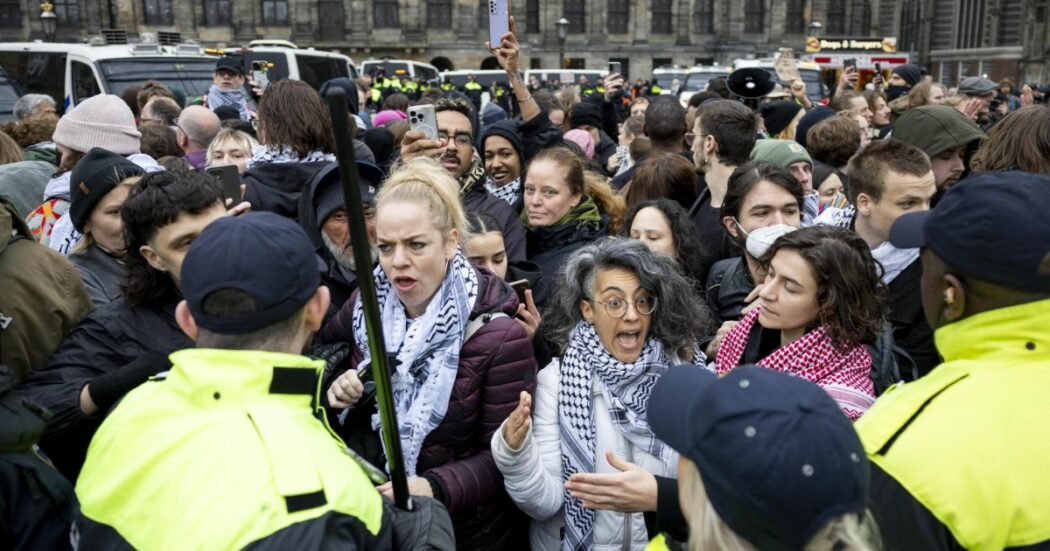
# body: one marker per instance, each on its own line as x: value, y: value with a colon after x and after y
x: 473, y: 90
x: 227, y: 451
x: 959, y: 456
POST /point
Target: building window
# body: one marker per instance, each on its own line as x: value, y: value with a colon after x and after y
x: 158, y: 12
x: 619, y: 12
x: 532, y: 16
x: 754, y: 16
x: 275, y: 13
x: 439, y: 14
x: 704, y: 17
x: 574, y: 12
x: 836, y: 25
x: 385, y: 13
x: 795, y: 23
x: 217, y: 12
x: 971, y: 24
x: 661, y: 16
x: 68, y: 12
x: 10, y: 13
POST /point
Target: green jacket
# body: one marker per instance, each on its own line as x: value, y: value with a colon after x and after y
x: 230, y: 449
x: 935, y: 129
x: 959, y: 456
x: 42, y: 297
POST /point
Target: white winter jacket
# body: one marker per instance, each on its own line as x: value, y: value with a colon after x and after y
x: 533, y: 477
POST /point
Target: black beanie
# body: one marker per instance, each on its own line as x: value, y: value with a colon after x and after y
x: 92, y: 178
x: 809, y: 120
x: 911, y: 73
x: 777, y: 115
x: 507, y: 129
x: 348, y: 87
x: 585, y: 114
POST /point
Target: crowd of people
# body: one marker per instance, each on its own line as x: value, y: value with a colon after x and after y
x: 612, y: 321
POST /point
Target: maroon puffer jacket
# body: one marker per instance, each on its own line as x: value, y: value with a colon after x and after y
x: 495, y: 365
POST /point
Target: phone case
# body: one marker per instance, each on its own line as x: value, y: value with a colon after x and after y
x: 422, y: 117
x: 499, y: 21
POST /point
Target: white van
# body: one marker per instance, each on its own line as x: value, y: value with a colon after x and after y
x: 402, y: 68
x: 71, y: 73
x: 665, y: 77
x: 697, y: 78
x: 566, y: 76
x: 809, y: 71
x: 314, y: 67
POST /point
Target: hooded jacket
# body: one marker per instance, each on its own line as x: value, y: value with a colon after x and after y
x: 276, y: 187
x: 495, y: 364
x: 42, y: 298
x: 935, y: 129
x: 22, y: 184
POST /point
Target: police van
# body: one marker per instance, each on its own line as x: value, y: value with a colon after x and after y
x: 669, y: 78
x: 696, y: 80
x: 809, y: 71
x: 565, y: 76
x: 286, y: 60
x: 70, y: 73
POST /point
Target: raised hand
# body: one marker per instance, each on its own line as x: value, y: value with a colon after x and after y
x: 517, y: 426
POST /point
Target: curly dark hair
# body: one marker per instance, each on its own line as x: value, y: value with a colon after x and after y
x: 851, y: 295
x: 156, y: 201
x: 680, y: 319
x: 689, y: 251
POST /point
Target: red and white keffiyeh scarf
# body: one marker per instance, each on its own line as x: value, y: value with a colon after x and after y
x: 845, y: 377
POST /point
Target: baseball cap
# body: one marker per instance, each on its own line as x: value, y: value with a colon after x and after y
x: 231, y: 63
x: 777, y: 456
x: 264, y: 255
x: 992, y: 226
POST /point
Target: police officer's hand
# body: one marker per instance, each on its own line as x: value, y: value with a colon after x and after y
x: 346, y: 390
x: 415, y: 144
x: 507, y: 50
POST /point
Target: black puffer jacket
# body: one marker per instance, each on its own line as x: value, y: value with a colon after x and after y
x: 110, y: 337
x: 728, y: 285
x: 550, y: 246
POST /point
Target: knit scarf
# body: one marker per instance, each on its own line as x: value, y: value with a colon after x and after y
x: 285, y: 154
x: 845, y: 377
x: 626, y: 388
x: 586, y: 211
x: 509, y: 192
x: 426, y: 348
x: 219, y: 97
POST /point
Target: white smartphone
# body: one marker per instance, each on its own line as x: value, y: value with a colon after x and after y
x: 499, y: 21
x: 423, y: 117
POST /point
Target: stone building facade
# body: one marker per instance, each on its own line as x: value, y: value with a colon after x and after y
x: 952, y: 37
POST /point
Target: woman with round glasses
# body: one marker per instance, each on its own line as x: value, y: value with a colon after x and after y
x: 589, y: 468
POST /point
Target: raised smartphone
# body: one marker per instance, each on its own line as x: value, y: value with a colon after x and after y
x: 499, y: 21
x: 261, y: 74
x: 423, y: 117
x: 615, y: 68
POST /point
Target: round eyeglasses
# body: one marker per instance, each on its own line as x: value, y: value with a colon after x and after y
x: 617, y: 307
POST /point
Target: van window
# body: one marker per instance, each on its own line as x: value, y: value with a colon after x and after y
x: 388, y: 67
x: 37, y: 73
x: 426, y: 73
x: 316, y: 70
x: 190, y: 75
x: 84, y: 83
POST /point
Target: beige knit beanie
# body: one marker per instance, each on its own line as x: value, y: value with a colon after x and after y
x: 99, y: 121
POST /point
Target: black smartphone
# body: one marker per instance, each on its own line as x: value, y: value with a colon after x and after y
x: 229, y: 179
x: 615, y: 68
x: 520, y: 286
x: 878, y: 68
x: 848, y: 63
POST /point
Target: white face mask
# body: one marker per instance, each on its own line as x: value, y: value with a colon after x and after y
x: 759, y: 240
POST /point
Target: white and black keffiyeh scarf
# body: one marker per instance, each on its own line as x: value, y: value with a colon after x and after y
x: 427, y: 351
x: 509, y: 192
x: 285, y: 154
x: 626, y: 388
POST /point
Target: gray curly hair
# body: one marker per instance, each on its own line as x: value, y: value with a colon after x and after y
x: 680, y: 318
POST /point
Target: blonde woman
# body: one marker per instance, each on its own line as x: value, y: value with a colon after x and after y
x: 103, y: 180
x: 231, y: 147
x: 461, y: 358
x: 767, y: 462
